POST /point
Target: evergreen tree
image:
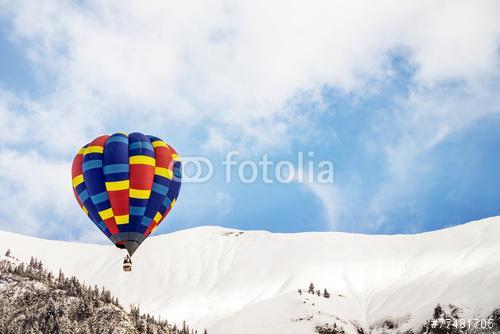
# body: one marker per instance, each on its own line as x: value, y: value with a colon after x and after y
x: 49, y: 318
x: 438, y: 311
x: 60, y: 277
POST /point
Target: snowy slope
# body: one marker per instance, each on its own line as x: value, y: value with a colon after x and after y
x: 246, y: 282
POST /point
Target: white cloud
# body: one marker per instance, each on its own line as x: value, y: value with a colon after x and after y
x: 36, y: 196
x: 416, y: 126
x: 334, y: 205
x: 329, y: 195
x: 216, y: 142
x: 238, y: 65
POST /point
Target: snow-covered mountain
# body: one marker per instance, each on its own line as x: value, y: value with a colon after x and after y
x: 233, y: 281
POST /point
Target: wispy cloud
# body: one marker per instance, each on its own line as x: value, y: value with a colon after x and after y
x: 239, y: 65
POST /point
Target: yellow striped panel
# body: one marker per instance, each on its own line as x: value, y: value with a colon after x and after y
x: 157, y: 217
x: 85, y: 210
x: 165, y: 172
x: 173, y: 202
x: 124, y: 219
x: 77, y: 180
x: 94, y: 149
x: 176, y: 157
x: 141, y: 160
x: 82, y: 150
x: 117, y: 185
x: 105, y: 214
x: 139, y: 193
x: 159, y: 143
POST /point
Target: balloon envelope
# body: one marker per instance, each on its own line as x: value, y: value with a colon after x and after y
x: 126, y: 184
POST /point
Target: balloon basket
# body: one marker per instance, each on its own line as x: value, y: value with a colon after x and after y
x: 127, y: 267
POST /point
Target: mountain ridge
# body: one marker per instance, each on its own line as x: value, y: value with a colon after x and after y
x: 213, y: 277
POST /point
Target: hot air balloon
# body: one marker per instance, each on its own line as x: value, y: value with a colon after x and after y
x: 126, y: 184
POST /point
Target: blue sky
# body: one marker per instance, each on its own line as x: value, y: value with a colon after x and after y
x: 403, y: 99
